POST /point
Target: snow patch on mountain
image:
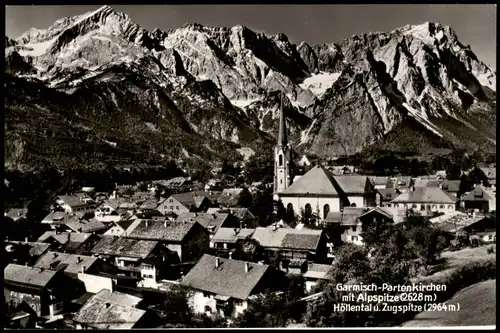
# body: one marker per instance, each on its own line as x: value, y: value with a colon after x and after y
x: 36, y: 49
x: 418, y: 116
x: 243, y: 103
x: 319, y: 83
x: 304, y: 135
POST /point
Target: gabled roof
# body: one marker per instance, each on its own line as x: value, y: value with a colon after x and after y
x: 189, y: 199
x: 318, y: 271
x: 354, y: 184
x: 303, y: 239
x: 379, y: 180
x: 318, y: 180
x: 70, y: 263
x: 378, y: 210
x: 162, y: 230
x: 423, y: 182
x: 479, y: 193
x: 349, y: 216
x: 425, y: 195
x: 28, y: 276
x: 110, y: 310
x: 55, y: 217
x: 127, y: 247
x: 229, y: 279
x: 491, y: 173
x: 206, y: 220
x: 226, y: 235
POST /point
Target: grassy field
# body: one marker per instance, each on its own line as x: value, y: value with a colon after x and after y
x: 452, y: 260
x: 477, y: 308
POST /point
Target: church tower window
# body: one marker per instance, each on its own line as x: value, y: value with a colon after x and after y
x: 326, y: 210
x: 281, y: 160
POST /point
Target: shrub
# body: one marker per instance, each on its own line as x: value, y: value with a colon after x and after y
x: 490, y: 250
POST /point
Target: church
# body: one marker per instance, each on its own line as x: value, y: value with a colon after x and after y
x: 318, y: 191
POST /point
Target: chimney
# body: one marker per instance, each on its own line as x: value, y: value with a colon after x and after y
x: 19, y: 213
x: 195, y: 214
x: 230, y: 255
x: 247, y: 267
x: 235, y: 230
x: 26, y: 239
x: 147, y: 223
x: 54, y: 255
x: 275, y: 227
x: 165, y: 224
x: 79, y: 259
x: 84, y: 268
x: 41, y: 269
x: 214, y: 216
x: 217, y: 262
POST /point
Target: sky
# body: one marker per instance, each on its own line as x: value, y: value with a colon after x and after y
x: 475, y: 24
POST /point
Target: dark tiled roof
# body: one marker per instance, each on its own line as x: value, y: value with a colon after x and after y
x: 158, y: 230
x: 55, y: 217
x: 105, y: 312
x: 229, y: 279
x: 74, y: 200
x: 70, y: 263
x: 379, y: 210
x: 36, y: 249
x: 388, y: 193
x: 188, y: 199
x: 126, y: 247
x: 297, y: 241
x: 29, y: 276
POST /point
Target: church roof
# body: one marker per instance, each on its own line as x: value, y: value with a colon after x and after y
x: 354, y: 184
x: 318, y: 180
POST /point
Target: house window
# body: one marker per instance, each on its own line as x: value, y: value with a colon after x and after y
x: 206, y: 295
x: 414, y: 206
x: 171, y: 200
x: 177, y: 207
x: 208, y: 309
x: 289, y: 211
x: 422, y: 207
x: 58, y: 306
x: 441, y: 206
x: 354, y: 238
x: 308, y: 210
x: 171, y: 207
x: 353, y: 229
x: 434, y: 206
x: 238, y: 302
x: 326, y: 210
x: 450, y: 206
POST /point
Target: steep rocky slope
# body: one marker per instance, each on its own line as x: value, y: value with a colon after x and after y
x: 199, y: 93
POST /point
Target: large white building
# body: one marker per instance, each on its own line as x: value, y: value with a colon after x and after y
x: 318, y: 191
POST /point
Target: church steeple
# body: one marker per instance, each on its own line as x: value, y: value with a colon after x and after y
x: 282, y: 137
x: 282, y: 156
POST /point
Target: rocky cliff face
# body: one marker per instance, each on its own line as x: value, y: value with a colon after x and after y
x: 219, y: 87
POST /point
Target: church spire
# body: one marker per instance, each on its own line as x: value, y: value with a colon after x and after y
x: 282, y: 137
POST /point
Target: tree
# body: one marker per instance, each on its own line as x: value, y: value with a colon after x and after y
x: 375, y: 232
x: 247, y: 250
x: 453, y: 171
x: 176, y: 309
x: 351, y: 262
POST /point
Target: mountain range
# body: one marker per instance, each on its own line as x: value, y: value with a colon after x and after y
x: 97, y: 89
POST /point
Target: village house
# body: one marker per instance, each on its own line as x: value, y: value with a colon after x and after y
x: 316, y: 273
x: 351, y: 225
x: 146, y: 259
x: 238, y: 218
x: 185, y: 202
x: 111, y: 310
x: 226, y: 239
x: 70, y: 242
x: 17, y: 214
x: 402, y: 183
x: 188, y: 239
x: 110, y: 211
x: 72, y: 264
x: 426, y: 182
x: 47, y: 292
x: 387, y: 195
x: 479, y: 199
x: 426, y: 200
x: 75, y: 224
x: 482, y: 228
x: 293, y: 247
x: 78, y: 202
x: 24, y: 253
x: 339, y: 170
x: 210, y: 221
x: 223, y: 286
